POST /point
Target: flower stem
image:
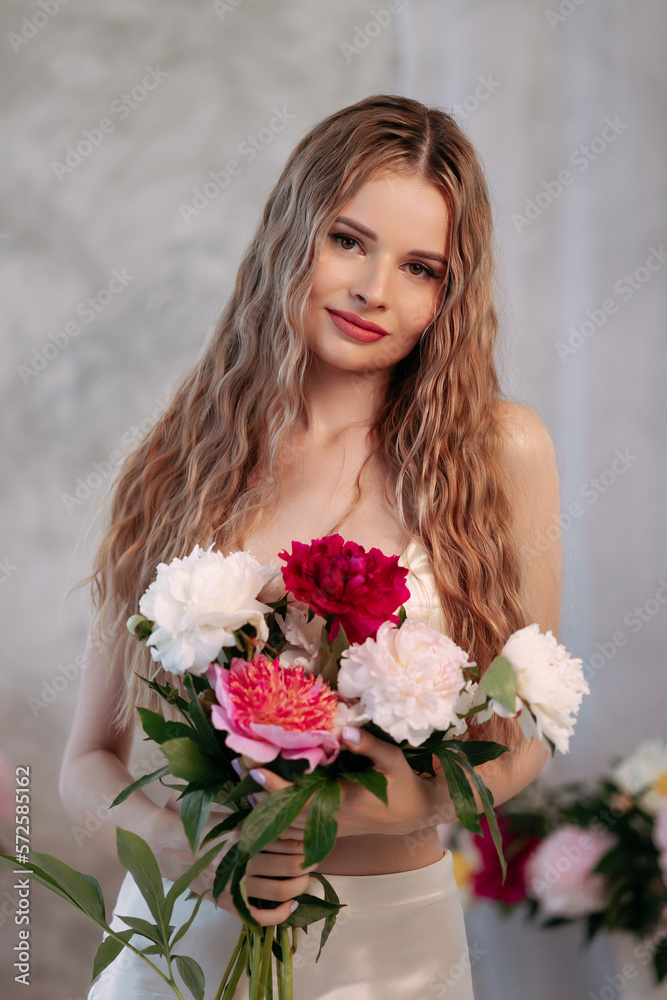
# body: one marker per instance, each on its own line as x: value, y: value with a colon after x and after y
x: 230, y: 989
x: 255, y: 966
x: 230, y: 966
x: 287, y: 962
x: 265, y: 971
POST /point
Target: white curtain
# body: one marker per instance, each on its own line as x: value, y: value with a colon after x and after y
x: 566, y: 104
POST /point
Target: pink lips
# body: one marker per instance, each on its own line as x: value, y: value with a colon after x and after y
x: 356, y: 327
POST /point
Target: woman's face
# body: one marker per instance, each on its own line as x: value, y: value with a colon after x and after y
x: 379, y: 274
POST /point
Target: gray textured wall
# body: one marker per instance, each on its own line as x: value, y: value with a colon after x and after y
x: 79, y: 380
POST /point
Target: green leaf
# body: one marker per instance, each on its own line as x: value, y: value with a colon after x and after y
x: 194, y: 810
x: 135, y: 855
x: 158, y: 729
x: 461, y: 793
x: 83, y: 889
x: 224, y: 870
x: 486, y: 798
x: 187, y: 761
x: 478, y: 751
x: 242, y: 789
x: 239, y: 895
x: 273, y: 815
x: 147, y: 930
x: 203, y: 725
x: 226, y: 825
x: 311, y: 909
x: 331, y: 896
x: 186, y: 879
x: 108, y: 950
x: 38, y: 875
x: 499, y: 682
x: 372, y: 780
x: 191, y: 974
x: 321, y: 827
x: 186, y: 926
x: 139, y: 783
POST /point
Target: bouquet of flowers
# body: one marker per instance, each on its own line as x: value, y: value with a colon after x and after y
x: 595, y: 853
x: 278, y: 684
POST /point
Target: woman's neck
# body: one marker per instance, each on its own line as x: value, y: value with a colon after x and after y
x: 339, y: 401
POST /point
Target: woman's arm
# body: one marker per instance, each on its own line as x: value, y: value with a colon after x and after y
x: 94, y: 770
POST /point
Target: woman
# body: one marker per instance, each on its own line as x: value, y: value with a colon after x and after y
x: 350, y: 386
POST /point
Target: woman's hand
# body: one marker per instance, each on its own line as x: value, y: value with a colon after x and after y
x: 274, y: 874
x: 413, y: 801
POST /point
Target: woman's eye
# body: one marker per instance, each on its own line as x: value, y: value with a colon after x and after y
x: 422, y: 270
x: 344, y: 241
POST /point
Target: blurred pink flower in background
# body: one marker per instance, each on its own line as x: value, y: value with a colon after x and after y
x: 560, y: 872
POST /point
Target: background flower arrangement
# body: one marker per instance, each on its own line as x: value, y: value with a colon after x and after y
x: 593, y: 853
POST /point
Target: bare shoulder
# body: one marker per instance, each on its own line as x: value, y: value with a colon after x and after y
x: 528, y: 457
x: 526, y: 447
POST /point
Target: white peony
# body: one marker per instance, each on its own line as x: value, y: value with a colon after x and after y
x: 644, y: 775
x: 303, y: 640
x: 550, y: 686
x: 408, y: 680
x: 199, y: 602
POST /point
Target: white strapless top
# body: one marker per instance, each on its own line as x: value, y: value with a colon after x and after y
x: 423, y: 604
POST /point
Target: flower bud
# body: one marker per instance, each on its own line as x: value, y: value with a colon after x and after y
x: 139, y: 626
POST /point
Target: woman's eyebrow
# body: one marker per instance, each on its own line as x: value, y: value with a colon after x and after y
x: 369, y: 234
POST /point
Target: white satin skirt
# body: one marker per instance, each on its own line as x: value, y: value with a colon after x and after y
x: 400, y: 937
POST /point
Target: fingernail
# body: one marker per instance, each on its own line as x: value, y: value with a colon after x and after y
x: 293, y: 906
x: 351, y: 734
x: 252, y: 800
x: 236, y: 764
x: 257, y: 776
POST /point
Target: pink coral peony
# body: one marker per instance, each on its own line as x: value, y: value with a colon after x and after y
x: 560, y: 872
x: 334, y: 577
x: 268, y: 709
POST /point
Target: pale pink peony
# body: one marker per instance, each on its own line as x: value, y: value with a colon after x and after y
x: 660, y: 840
x: 270, y: 710
x: 408, y: 680
x: 559, y: 874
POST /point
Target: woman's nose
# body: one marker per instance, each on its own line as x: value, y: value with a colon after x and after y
x: 371, y: 283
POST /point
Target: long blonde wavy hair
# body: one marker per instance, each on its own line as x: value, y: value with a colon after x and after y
x: 206, y: 470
